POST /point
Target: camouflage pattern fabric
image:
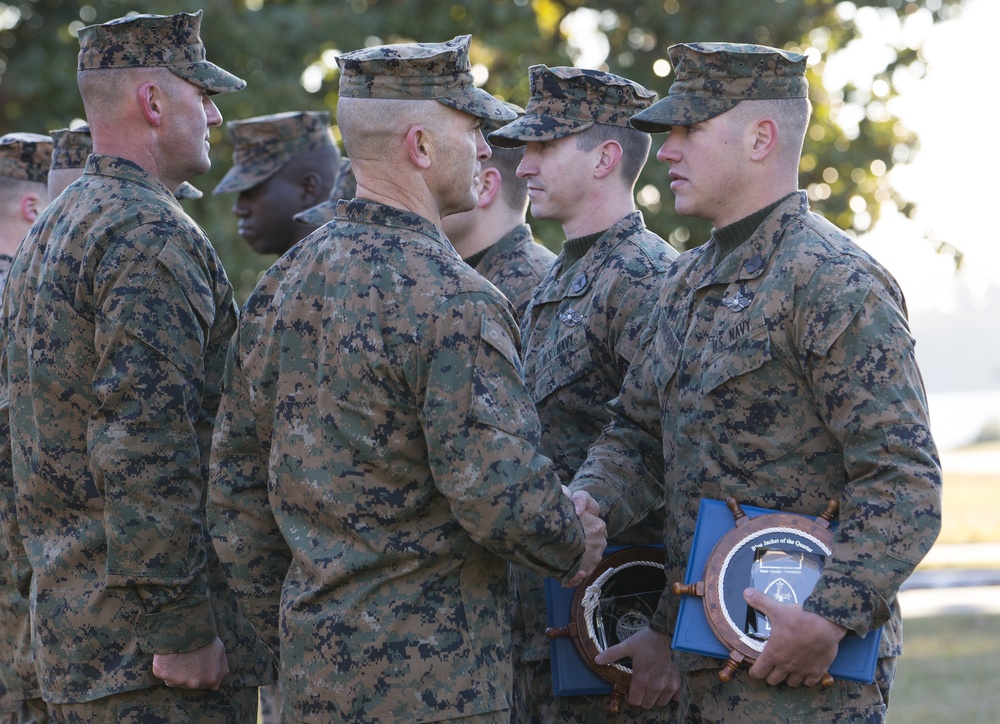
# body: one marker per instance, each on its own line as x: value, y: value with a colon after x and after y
x: 20, y: 697
x: 516, y: 265
x: 70, y: 147
x: 263, y: 145
x: 534, y: 702
x: 711, y: 78
x: 376, y: 453
x: 155, y: 41
x: 164, y: 706
x: 580, y: 334
x: 344, y: 187
x: 25, y: 156
x: 117, y: 315
x: 420, y: 71
x: 566, y: 100
x: 756, y: 380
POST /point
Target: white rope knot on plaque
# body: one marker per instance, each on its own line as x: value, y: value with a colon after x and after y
x: 592, y: 600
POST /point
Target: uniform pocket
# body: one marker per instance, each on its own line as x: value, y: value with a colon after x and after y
x: 500, y: 398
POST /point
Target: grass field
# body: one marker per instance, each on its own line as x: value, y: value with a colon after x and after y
x: 948, y: 671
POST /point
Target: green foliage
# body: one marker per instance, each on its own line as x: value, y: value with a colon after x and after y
x: 272, y: 43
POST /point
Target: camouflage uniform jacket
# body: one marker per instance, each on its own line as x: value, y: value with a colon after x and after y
x: 783, y: 375
x: 17, y: 669
x: 117, y: 316
x: 515, y: 265
x: 375, y: 452
x: 580, y: 333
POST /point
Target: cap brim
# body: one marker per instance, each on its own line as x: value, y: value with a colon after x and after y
x: 210, y: 77
x: 241, y: 178
x: 480, y: 104
x: 535, y: 128
x: 319, y: 214
x: 186, y: 192
x: 679, y: 111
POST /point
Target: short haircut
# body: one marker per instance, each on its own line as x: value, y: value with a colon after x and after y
x: 12, y: 190
x: 515, y: 189
x: 791, y: 115
x: 635, y: 146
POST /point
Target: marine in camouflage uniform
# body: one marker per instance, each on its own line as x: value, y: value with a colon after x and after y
x: 283, y: 163
x: 24, y: 166
x: 778, y: 369
x: 583, y: 324
x: 494, y: 238
x: 375, y: 459
x: 118, y: 314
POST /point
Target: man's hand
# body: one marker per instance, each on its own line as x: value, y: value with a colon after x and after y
x: 655, y: 680
x: 202, y: 668
x: 801, y: 646
x: 595, y: 531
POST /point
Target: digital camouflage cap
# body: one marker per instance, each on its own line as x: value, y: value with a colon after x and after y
x: 72, y: 146
x: 25, y: 156
x: 343, y: 188
x: 711, y: 78
x: 155, y: 41
x: 566, y: 100
x: 263, y: 145
x: 419, y: 71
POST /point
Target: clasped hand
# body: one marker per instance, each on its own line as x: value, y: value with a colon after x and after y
x: 595, y: 530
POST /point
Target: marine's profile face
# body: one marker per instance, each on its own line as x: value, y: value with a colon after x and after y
x: 460, y: 149
x: 553, y: 171
x: 264, y: 215
x: 189, y: 115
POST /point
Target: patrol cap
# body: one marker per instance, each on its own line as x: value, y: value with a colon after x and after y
x: 711, y: 78
x: 25, y: 156
x: 155, y: 41
x: 344, y: 187
x: 566, y: 100
x: 70, y: 147
x: 492, y: 124
x: 263, y: 145
x: 419, y: 71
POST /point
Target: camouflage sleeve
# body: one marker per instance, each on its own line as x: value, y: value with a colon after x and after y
x: 15, y: 556
x: 482, y: 435
x: 146, y: 457
x: 246, y: 537
x: 631, y: 320
x: 859, y: 358
x: 624, y: 466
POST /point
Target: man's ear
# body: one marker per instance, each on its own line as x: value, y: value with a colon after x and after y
x: 609, y: 158
x: 765, y: 138
x: 311, y: 189
x: 419, y: 146
x: 490, y: 183
x: 151, y: 98
x: 31, y: 206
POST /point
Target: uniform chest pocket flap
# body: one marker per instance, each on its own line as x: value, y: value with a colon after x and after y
x: 738, y: 350
x: 568, y: 363
x: 499, y: 398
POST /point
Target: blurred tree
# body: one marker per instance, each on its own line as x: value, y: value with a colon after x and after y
x: 286, y: 50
